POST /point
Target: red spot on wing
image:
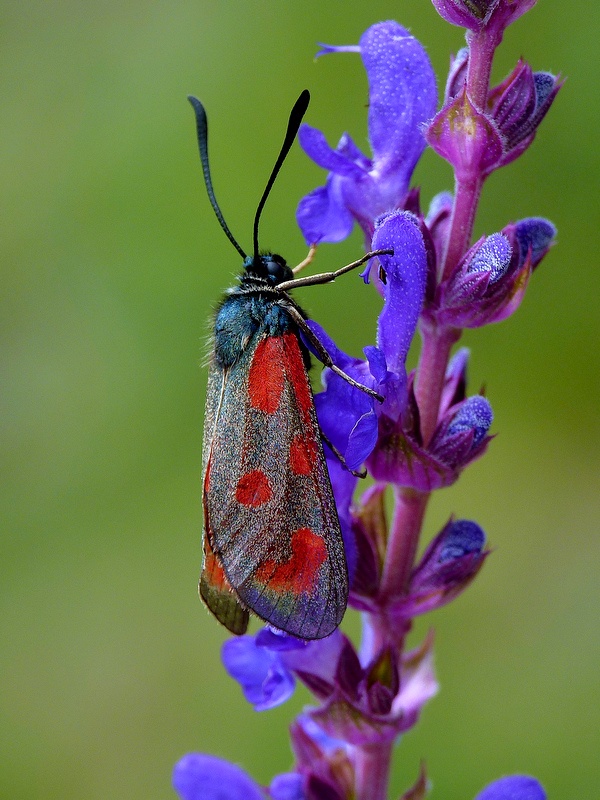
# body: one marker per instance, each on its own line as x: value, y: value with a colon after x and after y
x: 253, y: 489
x: 266, y: 376
x: 298, y: 574
x: 296, y: 372
x: 212, y: 569
x: 303, y: 455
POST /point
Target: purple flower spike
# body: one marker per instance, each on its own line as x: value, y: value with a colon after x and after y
x: 402, y: 97
x: 513, y: 787
x: 200, y: 777
x: 447, y: 567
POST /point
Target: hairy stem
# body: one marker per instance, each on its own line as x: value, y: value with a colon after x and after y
x: 409, y: 510
x: 466, y: 197
x: 372, y: 768
x: 433, y: 360
x: 482, y: 46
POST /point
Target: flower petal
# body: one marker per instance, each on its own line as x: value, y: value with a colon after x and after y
x: 513, y: 787
x: 202, y: 777
x: 404, y: 288
x: 260, y: 671
x: 475, y: 414
x: 288, y: 786
x: 322, y: 215
x: 362, y: 439
x: 315, y: 145
x: 534, y: 234
x: 402, y: 97
x: 493, y: 257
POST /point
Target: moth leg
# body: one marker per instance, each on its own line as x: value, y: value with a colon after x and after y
x: 357, y: 473
x: 311, y: 254
x: 328, y: 277
x: 322, y: 353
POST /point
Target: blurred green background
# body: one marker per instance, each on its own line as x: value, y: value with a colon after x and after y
x: 111, y: 262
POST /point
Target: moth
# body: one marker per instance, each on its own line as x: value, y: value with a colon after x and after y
x: 272, y: 540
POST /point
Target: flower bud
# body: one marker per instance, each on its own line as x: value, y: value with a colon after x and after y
x: 460, y: 437
x: 479, y: 14
x: 489, y: 283
x: 447, y: 567
x: 466, y: 137
x: 518, y: 105
x: 472, y: 14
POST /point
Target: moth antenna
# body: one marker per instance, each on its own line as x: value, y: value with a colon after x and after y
x: 202, y: 132
x: 296, y: 115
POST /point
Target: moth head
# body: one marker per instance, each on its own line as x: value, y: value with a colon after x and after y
x: 270, y: 267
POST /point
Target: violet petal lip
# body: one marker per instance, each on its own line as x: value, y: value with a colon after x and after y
x: 260, y: 671
x: 198, y: 776
x: 404, y: 290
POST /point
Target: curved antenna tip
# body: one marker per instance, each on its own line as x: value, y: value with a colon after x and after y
x: 202, y: 133
x: 297, y: 113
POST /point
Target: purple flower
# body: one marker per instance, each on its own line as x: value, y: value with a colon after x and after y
x: 513, y: 787
x: 349, y: 417
x: 323, y: 762
x: 369, y: 525
x: 288, y: 786
x: 323, y: 771
x: 260, y: 671
x: 264, y: 665
x: 533, y: 237
x: 466, y: 137
x: 402, y: 97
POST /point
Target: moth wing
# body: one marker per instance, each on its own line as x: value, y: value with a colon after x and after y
x: 213, y: 586
x: 270, y: 515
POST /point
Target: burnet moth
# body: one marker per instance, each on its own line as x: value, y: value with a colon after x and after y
x: 272, y: 539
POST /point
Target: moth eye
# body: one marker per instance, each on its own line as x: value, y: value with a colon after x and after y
x: 277, y: 269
